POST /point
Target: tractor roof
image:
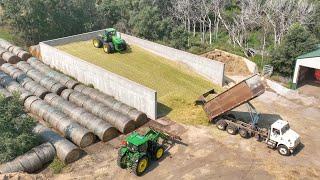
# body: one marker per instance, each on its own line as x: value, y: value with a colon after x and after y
x: 110, y: 29
x: 136, y: 139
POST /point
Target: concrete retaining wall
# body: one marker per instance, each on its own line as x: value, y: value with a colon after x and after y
x: 129, y: 92
x: 210, y: 69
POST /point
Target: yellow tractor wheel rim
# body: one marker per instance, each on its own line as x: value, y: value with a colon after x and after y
x: 159, y: 153
x: 105, y: 48
x: 142, y: 165
x: 95, y: 43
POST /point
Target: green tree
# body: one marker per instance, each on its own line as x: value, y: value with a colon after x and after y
x: 296, y: 42
x: 38, y: 20
x: 16, y: 135
x: 179, y: 38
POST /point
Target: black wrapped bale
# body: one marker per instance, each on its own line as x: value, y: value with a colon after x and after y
x: 63, y: 79
x: 99, y: 127
x: 60, y: 121
x: 67, y: 152
x: 31, y: 161
x: 139, y: 117
x: 123, y: 123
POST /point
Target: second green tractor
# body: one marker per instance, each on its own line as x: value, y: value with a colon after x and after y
x: 139, y: 150
x: 110, y: 41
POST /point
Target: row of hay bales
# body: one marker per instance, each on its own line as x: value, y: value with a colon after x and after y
x: 36, y: 158
x: 14, y: 50
x: 139, y: 117
x: 77, y: 108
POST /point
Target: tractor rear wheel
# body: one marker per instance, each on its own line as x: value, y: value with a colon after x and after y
x: 232, y: 129
x: 121, y: 161
x: 107, y: 48
x: 158, y: 153
x: 112, y: 48
x: 97, y: 42
x: 140, y: 167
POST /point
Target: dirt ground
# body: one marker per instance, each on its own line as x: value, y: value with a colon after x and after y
x: 207, y: 153
x: 234, y: 65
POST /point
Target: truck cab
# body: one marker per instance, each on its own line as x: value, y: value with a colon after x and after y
x: 283, y: 138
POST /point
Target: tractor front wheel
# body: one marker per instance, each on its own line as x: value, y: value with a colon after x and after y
x: 97, y: 43
x: 121, y: 161
x: 158, y: 153
x: 140, y: 167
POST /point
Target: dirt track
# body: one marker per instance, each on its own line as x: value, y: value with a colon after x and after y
x: 211, y: 154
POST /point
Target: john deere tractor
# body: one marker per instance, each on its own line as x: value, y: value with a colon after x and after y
x: 110, y: 41
x: 139, y: 150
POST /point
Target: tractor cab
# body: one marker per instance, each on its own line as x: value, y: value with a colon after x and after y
x: 136, y: 142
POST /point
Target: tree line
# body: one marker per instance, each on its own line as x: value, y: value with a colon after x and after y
x: 184, y: 24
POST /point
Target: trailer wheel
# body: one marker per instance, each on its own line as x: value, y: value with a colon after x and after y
x: 232, y: 129
x: 221, y: 125
x: 244, y: 133
x: 283, y: 150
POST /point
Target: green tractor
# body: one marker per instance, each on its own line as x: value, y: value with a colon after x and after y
x: 139, y: 150
x: 110, y: 41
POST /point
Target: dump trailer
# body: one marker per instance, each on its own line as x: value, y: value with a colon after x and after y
x: 218, y: 109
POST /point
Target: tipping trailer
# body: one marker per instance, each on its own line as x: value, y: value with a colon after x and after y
x: 218, y: 106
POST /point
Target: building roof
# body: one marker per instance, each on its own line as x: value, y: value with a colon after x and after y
x: 314, y: 53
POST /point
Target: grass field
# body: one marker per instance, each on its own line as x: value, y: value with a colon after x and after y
x: 5, y: 34
x: 177, y: 86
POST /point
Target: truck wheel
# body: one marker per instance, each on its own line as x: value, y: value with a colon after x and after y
x: 244, y: 133
x: 158, y: 153
x: 221, y: 125
x: 232, y: 129
x: 106, y: 48
x: 283, y: 150
x: 97, y: 43
x: 140, y: 167
x: 121, y: 162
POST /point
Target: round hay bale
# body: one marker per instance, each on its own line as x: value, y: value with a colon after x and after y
x: 47, y: 82
x: 35, y: 75
x: 66, y: 93
x: 24, y: 95
x: 66, y: 151
x: 24, y: 55
x: 78, y: 98
x: 49, y: 97
x: 23, y: 79
x: 10, y: 48
x: 57, y: 88
x: 24, y: 66
x: 15, y: 50
x: 29, y: 101
x: 2, y: 61
x: 79, y: 87
x: 2, y: 51
x: 71, y: 83
x: 4, y: 93
x: 46, y: 152
x: 30, y: 161
x: 79, y: 135
x: 10, y: 58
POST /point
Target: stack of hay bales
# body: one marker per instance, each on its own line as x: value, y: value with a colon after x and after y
x: 8, y: 56
x: 123, y: 123
x: 60, y: 121
x: 25, y: 81
x: 31, y: 161
x: 41, y: 78
x: 18, y: 51
x: 13, y: 87
x: 99, y: 127
x: 139, y: 117
x: 67, y: 152
x: 63, y: 79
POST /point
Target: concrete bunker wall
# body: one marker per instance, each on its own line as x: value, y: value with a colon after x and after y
x: 210, y: 69
x: 125, y: 90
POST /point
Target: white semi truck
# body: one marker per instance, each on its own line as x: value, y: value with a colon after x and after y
x: 218, y: 109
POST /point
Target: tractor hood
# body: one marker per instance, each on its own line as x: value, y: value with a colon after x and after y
x: 117, y: 40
